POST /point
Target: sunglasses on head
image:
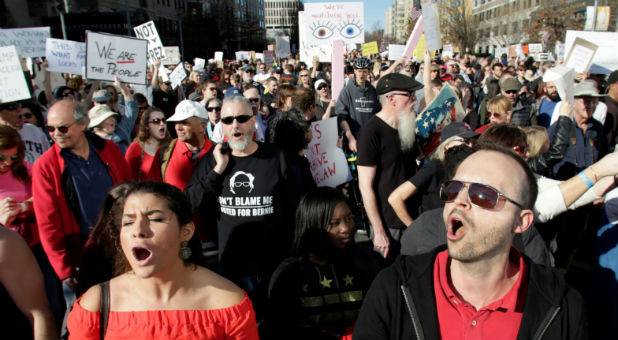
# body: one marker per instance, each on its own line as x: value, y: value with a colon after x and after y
x: 61, y: 128
x: 213, y: 108
x: 481, y: 195
x: 322, y: 87
x: 12, y: 157
x: 157, y: 121
x: 230, y: 119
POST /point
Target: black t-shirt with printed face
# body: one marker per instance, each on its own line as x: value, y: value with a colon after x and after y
x: 378, y: 145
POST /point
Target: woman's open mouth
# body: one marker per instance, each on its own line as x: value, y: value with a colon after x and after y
x: 141, y: 255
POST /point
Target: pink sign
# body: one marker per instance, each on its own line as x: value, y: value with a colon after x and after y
x: 337, y: 71
x: 414, y: 38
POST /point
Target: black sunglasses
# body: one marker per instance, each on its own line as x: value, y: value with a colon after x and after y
x: 230, y: 119
x: 66, y: 94
x: 157, y: 121
x: 62, y: 128
x: 10, y: 107
x: 13, y: 157
x: 214, y: 108
x: 481, y: 195
x: 511, y: 91
x: 27, y: 115
x: 322, y: 86
x: 254, y: 100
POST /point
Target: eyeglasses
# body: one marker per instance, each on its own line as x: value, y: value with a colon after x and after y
x: 405, y: 94
x: 481, y: 195
x: 214, y: 108
x: 157, y: 121
x: 11, y: 107
x: 254, y: 100
x: 304, y: 75
x: 511, y: 92
x: 322, y: 87
x: 66, y: 94
x: 61, y: 128
x: 212, y: 89
x: 4, y: 159
x: 230, y: 119
x: 495, y: 115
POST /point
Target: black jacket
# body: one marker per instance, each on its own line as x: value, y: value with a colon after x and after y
x: 552, y: 309
x: 546, y: 161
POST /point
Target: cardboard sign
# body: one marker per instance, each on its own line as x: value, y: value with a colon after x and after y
x: 109, y: 56
x: 328, y: 21
x: 148, y: 32
x: 65, y: 56
x: 338, y: 74
x: 178, y: 75
x: 431, y: 26
x: 243, y: 55
x: 282, y: 46
x: 604, y: 61
x: 580, y: 55
x: 172, y: 55
x: 563, y: 79
x: 370, y: 48
x: 328, y: 164
x: 29, y: 42
x: 219, y: 56
x: 535, y: 48
x: 415, y: 36
x: 269, y: 57
x: 13, y: 85
x: 198, y: 64
x: 395, y: 51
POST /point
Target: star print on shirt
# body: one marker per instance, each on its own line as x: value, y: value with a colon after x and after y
x: 348, y: 280
x: 326, y: 282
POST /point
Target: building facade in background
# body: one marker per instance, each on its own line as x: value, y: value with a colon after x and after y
x: 281, y: 17
x: 396, y: 21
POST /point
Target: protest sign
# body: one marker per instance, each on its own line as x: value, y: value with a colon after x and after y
x: 337, y: 63
x: 65, y: 56
x: 269, y: 57
x: 172, y: 55
x: 447, y: 50
x: 349, y: 47
x: 560, y: 51
x: 283, y: 46
x: 604, y: 61
x: 562, y: 77
x: 370, y: 48
x: 415, y: 36
x: 327, y: 162
x: 13, y: 85
x: 431, y: 26
x: 109, y: 56
x: 419, y: 50
x: 603, y: 15
x: 164, y: 73
x: 259, y: 56
x: 323, y: 52
x: 29, y: 42
x: 219, y: 56
x: 535, y: 48
x: 243, y: 55
x: 198, y: 64
x: 520, y: 51
x: 395, y: 51
x: 580, y: 55
x: 330, y: 21
x: 178, y: 75
x: 499, y: 51
x: 439, y: 112
x: 148, y: 32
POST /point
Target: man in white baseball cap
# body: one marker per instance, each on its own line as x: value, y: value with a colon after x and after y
x: 180, y: 157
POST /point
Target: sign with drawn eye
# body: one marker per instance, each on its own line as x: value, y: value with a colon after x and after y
x: 328, y: 21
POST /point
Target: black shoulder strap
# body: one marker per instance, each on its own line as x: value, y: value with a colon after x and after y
x: 104, y: 309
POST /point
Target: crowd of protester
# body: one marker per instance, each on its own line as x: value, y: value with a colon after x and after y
x: 114, y: 195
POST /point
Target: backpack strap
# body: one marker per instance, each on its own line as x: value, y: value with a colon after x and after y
x: 104, y: 309
x: 164, y: 156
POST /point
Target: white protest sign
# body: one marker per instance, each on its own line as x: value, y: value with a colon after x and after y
x: 283, y: 46
x: 164, y: 73
x: 198, y: 64
x: 172, y: 55
x: 65, y: 56
x: 535, y: 48
x: 219, y: 56
x: 395, y: 51
x: 259, y: 56
x: 148, y: 32
x: 13, y: 85
x: 243, y: 55
x: 432, y: 27
x: 563, y: 79
x: 178, y: 75
x: 414, y: 38
x: 560, y: 51
x: 328, y: 164
x: 580, y: 55
x: 323, y: 52
x: 447, y: 50
x: 110, y: 56
x: 30, y: 42
x: 499, y: 51
x: 269, y: 57
x: 604, y: 61
x: 328, y: 21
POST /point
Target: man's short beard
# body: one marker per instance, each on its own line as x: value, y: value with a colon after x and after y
x: 407, y: 129
x: 555, y: 97
x: 242, y: 145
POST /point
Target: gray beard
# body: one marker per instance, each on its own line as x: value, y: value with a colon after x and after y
x: 407, y: 130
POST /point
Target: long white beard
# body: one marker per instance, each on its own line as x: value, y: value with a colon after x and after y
x: 407, y: 129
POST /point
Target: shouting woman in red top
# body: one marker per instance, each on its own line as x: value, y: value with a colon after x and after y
x: 165, y: 292
x: 141, y: 153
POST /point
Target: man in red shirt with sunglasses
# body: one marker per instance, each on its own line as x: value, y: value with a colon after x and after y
x: 481, y: 287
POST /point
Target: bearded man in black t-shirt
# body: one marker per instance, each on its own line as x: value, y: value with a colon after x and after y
x: 386, y: 158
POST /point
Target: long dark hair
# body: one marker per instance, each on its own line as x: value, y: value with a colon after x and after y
x: 9, y: 138
x: 312, y: 218
x: 180, y: 205
x: 144, y: 133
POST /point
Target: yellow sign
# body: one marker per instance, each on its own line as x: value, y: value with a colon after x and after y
x: 419, y: 51
x: 370, y: 48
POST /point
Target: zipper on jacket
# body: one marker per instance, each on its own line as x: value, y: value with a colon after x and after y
x: 551, y: 315
x: 416, y: 323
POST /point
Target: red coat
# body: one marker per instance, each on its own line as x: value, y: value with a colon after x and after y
x: 58, y: 228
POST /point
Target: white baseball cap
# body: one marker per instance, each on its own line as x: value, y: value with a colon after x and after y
x: 187, y: 109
